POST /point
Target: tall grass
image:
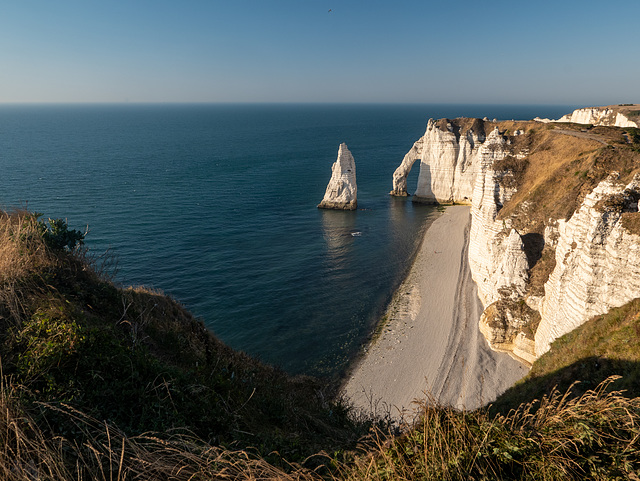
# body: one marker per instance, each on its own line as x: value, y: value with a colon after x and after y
x: 594, y: 436
x: 22, y: 253
x: 27, y: 453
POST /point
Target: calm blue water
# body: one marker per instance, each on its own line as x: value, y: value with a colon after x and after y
x: 216, y: 205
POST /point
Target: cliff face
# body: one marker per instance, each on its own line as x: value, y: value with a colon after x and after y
x: 496, y: 252
x: 342, y: 191
x: 599, y: 116
x: 448, y: 153
x: 597, y: 259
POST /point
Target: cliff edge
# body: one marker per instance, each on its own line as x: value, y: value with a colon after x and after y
x: 620, y: 115
x: 554, y: 235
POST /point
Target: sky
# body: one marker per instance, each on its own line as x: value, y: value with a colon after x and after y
x: 402, y: 51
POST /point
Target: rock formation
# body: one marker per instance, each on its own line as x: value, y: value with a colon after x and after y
x: 447, y: 152
x: 598, y: 116
x: 342, y: 190
x: 401, y: 173
x: 597, y: 262
x: 597, y: 258
x: 496, y: 254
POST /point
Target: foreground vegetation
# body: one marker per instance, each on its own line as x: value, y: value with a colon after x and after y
x: 110, y: 383
x: 78, y: 353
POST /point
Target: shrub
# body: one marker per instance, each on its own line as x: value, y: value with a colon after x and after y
x: 57, y: 235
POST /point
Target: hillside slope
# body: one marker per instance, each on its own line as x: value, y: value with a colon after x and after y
x: 72, y: 342
x: 100, y: 382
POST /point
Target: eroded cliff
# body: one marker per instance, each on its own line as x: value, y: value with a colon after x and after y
x: 613, y: 115
x: 597, y: 261
x: 342, y: 190
x: 448, y: 153
x: 552, y: 236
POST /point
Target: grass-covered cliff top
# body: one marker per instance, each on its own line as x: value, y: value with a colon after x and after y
x: 564, y: 163
x: 551, y: 167
x: 631, y: 111
x: 110, y: 383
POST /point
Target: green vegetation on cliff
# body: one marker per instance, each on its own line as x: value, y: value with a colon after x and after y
x: 606, y: 345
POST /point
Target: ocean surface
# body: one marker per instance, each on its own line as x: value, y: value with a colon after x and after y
x: 216, y: 206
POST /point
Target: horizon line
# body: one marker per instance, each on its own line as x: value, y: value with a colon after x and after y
x: 81, y: 103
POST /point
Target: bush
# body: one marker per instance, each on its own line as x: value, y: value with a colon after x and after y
x: 57, y: 235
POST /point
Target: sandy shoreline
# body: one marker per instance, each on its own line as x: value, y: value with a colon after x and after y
x: 431, y: 341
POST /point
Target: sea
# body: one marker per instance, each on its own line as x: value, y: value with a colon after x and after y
x: 216, y: 205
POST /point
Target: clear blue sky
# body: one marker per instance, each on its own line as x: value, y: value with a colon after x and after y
x: 567, y: 52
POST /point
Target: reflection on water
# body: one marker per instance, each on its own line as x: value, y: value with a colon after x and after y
x: 296, y: 286
x: 404, y: 215
x: 339, y: 231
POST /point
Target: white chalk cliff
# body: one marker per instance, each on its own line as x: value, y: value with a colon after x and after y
x: 496, y: 253
x: 597, y: 260
x: 447, y: 162
x: 342, y: 191
x: 598, y: 116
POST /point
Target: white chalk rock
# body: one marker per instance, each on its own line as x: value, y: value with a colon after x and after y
x: 401, y: 173
x: 598, y: 116
x: 597, y: 259
x: 497, y: 260
x: 597, y: 263
x: 342, y: 190
x: 447, y: 163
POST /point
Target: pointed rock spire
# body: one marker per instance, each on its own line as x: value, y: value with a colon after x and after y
x: 341, y: 191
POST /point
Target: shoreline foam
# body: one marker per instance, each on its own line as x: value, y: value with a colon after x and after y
x: 430, y: 342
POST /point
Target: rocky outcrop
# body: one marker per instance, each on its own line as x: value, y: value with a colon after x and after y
x: 597, y: 262
x: 503, y: 325
x: 457, y: 165
x: 496, y: 252
x: 402, y: 172
x: 497, y: 257
x: 598, y: 116
x: 448, y: 153
x: 342, y: 190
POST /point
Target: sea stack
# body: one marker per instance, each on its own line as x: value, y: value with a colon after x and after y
x: 341, y: 191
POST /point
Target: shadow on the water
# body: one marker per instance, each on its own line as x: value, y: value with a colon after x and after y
x: 586, y: 373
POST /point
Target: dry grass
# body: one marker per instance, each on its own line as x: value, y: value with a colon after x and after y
x: 22, y: 255
x: 593, y: 436
x: 28, y: 453
x: 22, y: 250
x: 631, y: 222
x: 545, y: 191
x: 562, y: 169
